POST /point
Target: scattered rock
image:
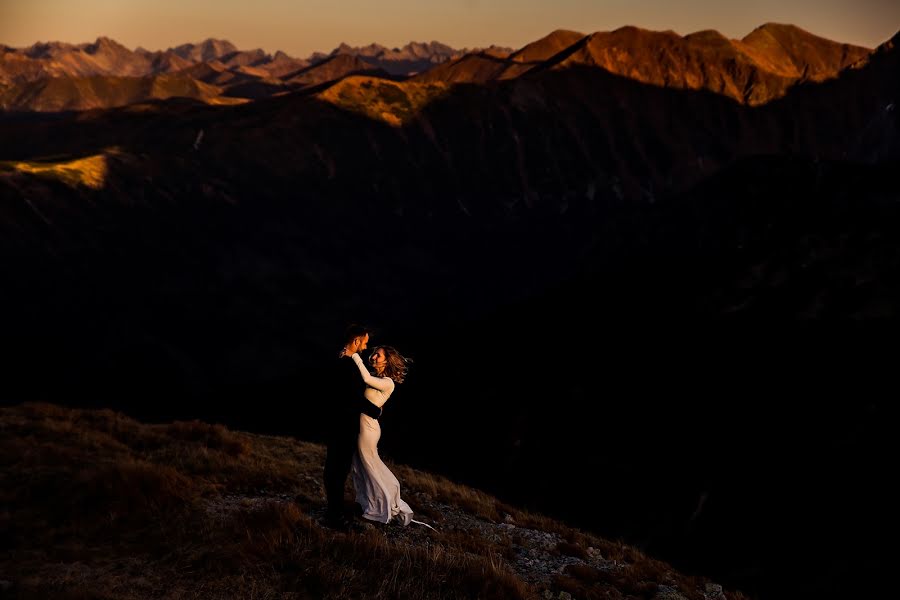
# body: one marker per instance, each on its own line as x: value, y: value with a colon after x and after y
x: 668, y: 592
x: 535, y: 556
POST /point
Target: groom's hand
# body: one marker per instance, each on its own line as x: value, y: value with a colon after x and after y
x: 370, y: 409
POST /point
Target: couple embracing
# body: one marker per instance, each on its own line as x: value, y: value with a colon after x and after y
x: 354, y: 431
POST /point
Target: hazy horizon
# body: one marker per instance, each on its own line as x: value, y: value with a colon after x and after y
x: 302, y: 28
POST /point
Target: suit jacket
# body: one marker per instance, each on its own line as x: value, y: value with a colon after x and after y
x: 347, y: 400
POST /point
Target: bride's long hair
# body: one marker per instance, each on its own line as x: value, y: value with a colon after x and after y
x: 396, y: 366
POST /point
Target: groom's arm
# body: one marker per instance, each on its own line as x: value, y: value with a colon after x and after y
x: 367, y: 408
x: 349, y: 372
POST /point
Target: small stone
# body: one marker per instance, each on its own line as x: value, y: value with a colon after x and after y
x: 668, y: 592
x: 565, y: 596
x: 548, y: 595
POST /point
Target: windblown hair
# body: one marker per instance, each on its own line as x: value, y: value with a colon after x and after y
x: 396, y: 366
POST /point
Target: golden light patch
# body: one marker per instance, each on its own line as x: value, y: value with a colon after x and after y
x: 226, y: 101
x: 90, y: 171
x: 394, y: 103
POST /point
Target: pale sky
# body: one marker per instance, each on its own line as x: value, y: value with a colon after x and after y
x: 300, y: 27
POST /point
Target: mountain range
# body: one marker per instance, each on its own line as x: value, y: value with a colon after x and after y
x: 754, y: 70
x: 60, y: 76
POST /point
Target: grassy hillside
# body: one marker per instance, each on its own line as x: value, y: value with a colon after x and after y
x: 98, y: 505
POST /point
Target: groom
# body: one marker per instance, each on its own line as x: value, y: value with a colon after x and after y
x: 345, y: 404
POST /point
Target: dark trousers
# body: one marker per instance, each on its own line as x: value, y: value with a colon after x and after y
x: 338, y: 460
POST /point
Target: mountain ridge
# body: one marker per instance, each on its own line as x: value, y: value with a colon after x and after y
x: 755, y: 70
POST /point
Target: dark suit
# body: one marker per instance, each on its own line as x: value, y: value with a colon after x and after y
x: 345, y: 403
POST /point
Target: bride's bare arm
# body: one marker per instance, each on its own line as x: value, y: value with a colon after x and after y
x: 382, y: 384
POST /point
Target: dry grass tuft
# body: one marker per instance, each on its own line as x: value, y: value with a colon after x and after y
x: 129, y: 488
x: 571, y: 550
x: 216, y: 436
x: 476, y: 545
x: 583, y: 573
x: 441, y: 489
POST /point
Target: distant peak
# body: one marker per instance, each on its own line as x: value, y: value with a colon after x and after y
x: 558, y: 36
x: 706, y: 35
x: 222, y: 45
x: 638, y: 33
x: 629, y: 29
x: 563, y: 37
x: 563, y: 32
x: 104, y: 43
x: 772, y: 26
x: 894, y: 40
x: 786, y: 34
x: 208, y: 49
x: 411, y: 51
x: 890, y: 45
x: 778, y: 30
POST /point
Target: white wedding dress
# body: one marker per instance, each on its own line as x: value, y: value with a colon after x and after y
x: 377, y: 489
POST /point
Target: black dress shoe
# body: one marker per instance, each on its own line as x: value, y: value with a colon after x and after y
x: 337, y: 523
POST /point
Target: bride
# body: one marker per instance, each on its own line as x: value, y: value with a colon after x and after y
x: 377, y: 489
